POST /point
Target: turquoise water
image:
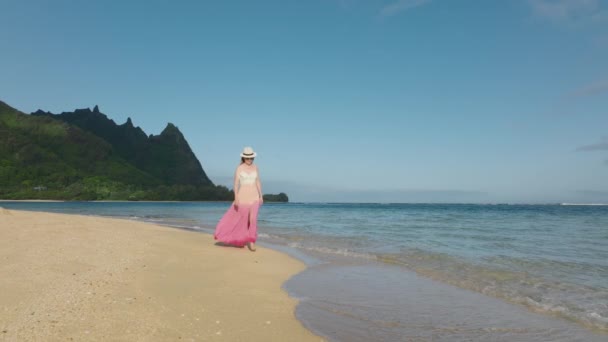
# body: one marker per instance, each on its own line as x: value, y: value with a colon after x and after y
x: 549, y: 259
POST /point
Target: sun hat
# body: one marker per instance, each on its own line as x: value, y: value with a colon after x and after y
x: 248, y: 153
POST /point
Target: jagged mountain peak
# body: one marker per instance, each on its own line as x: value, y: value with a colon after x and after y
x: 169, y: 149
x: 83, y: 155
x: 171, y: 129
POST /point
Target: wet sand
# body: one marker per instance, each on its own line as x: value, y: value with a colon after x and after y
x: 386, y: 303
x: 81, y: 278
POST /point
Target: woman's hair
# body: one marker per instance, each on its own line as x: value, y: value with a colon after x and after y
x: 243, y: 159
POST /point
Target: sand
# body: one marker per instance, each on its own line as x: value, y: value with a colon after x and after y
x: 81, y: 278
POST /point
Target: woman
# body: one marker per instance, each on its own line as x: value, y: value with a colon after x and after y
x: 239, y: 225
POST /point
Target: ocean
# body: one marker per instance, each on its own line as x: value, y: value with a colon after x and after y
x: 422, y: 272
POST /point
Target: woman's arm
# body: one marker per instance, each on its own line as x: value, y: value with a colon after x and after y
x: 258, y: 184
x: 236, y: 186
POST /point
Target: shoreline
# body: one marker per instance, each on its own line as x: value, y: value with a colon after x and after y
x: 121, y: 201
x: 41, y: 201
x: 99, y: 278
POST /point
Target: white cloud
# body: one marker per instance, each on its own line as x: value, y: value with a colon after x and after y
x: 601, y: 41
x: 600, y: 17
x: 601, y: 146
x: 566, y: 10
x: 593, y: 193
x: 400, y: 6
x: 596, y: 88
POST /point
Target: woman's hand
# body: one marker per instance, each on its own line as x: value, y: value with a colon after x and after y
x: 236, y: 204
x: 261, y: 200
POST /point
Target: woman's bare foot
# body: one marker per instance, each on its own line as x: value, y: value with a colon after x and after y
x: 252, y: 247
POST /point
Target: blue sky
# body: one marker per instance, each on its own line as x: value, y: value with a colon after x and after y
x: 344, y: 100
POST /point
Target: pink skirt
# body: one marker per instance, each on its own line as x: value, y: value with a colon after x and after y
x: 239, y: 226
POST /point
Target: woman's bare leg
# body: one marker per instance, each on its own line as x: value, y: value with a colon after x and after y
x: 253, y: 225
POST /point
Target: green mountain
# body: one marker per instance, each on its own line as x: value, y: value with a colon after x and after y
x: 167, y: 157
x: 83, y: 155
x: 281, y: 197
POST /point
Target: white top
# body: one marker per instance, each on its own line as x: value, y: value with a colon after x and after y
x: 246, y: 178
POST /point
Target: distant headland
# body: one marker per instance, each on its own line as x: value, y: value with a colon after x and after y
x: 84, y: 155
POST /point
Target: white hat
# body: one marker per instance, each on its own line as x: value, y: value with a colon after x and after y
x: 248, y: 153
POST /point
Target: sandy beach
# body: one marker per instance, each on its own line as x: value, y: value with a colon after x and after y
x: 82, y: 278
